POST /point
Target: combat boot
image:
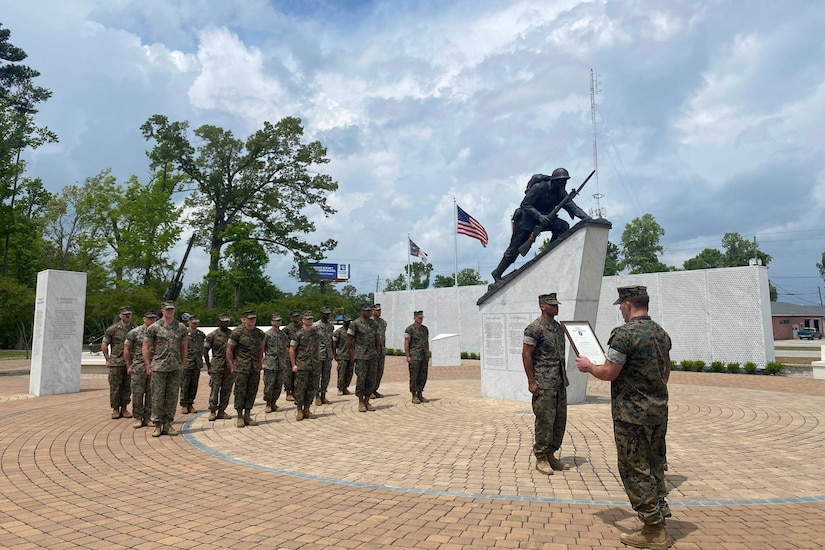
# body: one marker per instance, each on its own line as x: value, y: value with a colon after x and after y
x: 648, y: 536
x: 309, y: 414
x: 223, y: 415
x: 556, y: 464
x: 169, y: 430
x: 543, y: 466
x: 212, y: 416
x: 158, y: 429
x: 362, y: 408
x: 184, y: 409
x: 289, y: 396
x: 377, y: 395
x: 340, y: 391
x: 324, y: 400
x: 192, y: 409
x: 268, y: 408
x: 239, y: 423
x: 346, y: 391
x: 318, y: 401
x: 368, y: 405
x: 247, y: 419
x: 124, y: 412
x: 415, y: 399
x: 115, y: 414
x: 138, y: 424
x: 422, y: 398
x: 299, y: 415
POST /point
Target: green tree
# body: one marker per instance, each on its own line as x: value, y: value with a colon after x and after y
x: 739, y: 251
x: 419, y: 278
x: 18, y: 132
x: 821, y: 267
x: 466, y: 277
x: 640, y: 246
x: 269, y: 181
x: 16, y: 306
x: 706, y: 259
x: 611, y: 261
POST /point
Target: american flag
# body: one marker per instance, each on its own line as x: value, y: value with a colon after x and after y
x: 416, y: 251
x: 468, y: 225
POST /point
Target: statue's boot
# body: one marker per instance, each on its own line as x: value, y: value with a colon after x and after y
x: 502, y: 267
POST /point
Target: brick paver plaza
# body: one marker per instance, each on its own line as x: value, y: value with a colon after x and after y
x: 746, y: 461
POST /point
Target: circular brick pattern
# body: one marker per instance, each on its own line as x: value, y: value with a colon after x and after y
x: 725, y: 445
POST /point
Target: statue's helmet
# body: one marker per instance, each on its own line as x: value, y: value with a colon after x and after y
x: 559, y: 174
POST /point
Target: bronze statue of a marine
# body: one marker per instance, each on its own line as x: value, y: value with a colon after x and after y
x: 538, y: 213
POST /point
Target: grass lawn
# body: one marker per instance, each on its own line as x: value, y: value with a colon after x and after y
x: 12, y: 354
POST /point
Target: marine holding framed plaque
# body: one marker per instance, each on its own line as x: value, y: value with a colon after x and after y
x: 584, y: 341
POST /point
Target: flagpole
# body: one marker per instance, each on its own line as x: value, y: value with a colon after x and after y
x: 408, y: 260
x: 455, y: 240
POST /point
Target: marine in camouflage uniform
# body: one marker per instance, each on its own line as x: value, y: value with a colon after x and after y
x: 192, y: 370
x: 304, y: 354
x: 382, y: 348
x: 221, y: 378
x: 638, y: 366
x: 417, y: 351
x: 164, y: 350
x: 276, y: 363
x: 120, y: 391
x: 345, y: 366
x: 136, y: 367
x: 290, y: 330
x: 543, y: 356
x: 245, y: 353
x: 325, y: 331
x: 362, y: 346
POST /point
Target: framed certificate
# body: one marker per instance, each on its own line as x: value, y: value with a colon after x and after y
x: 584, y: 340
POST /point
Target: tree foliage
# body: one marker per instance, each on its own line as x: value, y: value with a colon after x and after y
x: 267, y: 184
x: 738, y: 251
x: 611, y: 261
x: 466, y: 277
x: 640, y: 246
x: 419, y: 278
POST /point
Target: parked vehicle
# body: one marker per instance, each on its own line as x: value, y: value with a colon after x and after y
x: 809, y: 334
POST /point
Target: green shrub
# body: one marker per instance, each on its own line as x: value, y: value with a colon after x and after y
x: 474, y: 355
x: 698, y: 366
x: 750, y: 367
x: 733, y: 368
x: 684, y: 364
x: 774, y: 367
x: 717, y: 366
x: 465, y: 355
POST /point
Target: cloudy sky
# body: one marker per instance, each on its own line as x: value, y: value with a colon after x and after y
x: 711, y: 114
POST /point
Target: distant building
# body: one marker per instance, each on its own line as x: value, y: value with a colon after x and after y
x: 787, y: 319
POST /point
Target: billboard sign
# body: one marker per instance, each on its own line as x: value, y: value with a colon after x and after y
x: 331, y: 273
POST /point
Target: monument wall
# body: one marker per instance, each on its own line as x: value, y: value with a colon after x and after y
x: 57, y: 343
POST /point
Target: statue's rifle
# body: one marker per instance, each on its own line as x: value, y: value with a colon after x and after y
x: 525, y: 248
x: 176, y: 285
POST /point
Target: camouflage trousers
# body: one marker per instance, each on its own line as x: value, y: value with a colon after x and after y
x: 220, y: 384
x: 189, y: 385
x: 141, y: 392
x: 165, y: 387
x: 274, y: 380
x: 246, y: 388
x: 418, y: 374
x: 379, y: 367
x: 550, y: 408
x: 289, y: 381
x: 325, y: 374
x: 120, y: 391
x: 306, y: 386
x: 366, y: 370
x: 641, y: 454
x: 344, y: 372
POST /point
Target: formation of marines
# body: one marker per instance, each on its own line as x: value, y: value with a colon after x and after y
x: 158, y: 363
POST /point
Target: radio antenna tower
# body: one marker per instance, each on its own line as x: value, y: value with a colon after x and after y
x: 594, y: 88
